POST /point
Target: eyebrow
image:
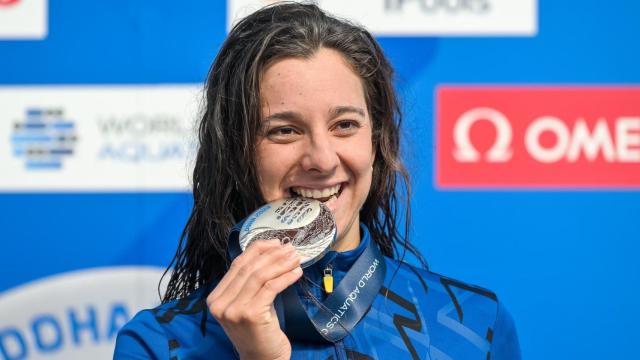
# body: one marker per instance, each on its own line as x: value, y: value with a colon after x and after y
x: 339, y: 110
x: 283, y: 115
x: 333, y: 113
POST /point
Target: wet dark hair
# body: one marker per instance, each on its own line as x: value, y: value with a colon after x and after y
x: 225, y: 186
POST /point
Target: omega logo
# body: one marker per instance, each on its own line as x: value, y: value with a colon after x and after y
x: 466, y: 152
x: 617, y: 142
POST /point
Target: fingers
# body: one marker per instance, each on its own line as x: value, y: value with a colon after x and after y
x: 255, y: 274
x: 268, y: 268
x: 271, y: 288
x: 254, y: 250
x: 263, y: 264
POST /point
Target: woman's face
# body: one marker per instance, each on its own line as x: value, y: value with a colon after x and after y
x: 316, y: 137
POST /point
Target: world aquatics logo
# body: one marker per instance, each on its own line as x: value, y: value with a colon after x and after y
x: 44, y: 138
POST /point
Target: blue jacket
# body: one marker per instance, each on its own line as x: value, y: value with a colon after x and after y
x: 417, y: 314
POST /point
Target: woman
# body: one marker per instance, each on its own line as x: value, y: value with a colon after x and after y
x: 302, y: 104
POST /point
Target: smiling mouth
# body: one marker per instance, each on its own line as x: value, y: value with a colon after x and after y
x: 322, y: 195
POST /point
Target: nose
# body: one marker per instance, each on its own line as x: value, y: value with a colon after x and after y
x: 321, y: 155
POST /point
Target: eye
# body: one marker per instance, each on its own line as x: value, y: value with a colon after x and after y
x: 281, y: 131
x: 282, y: 134
x: 346, y: 127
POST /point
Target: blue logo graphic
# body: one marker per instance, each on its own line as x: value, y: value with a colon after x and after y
x: 44, y: 138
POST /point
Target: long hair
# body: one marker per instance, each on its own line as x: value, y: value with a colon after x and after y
x: 225, y: 187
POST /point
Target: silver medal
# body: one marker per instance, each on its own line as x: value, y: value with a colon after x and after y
x: 305, y: 223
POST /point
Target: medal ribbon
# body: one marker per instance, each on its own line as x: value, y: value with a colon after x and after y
x: 341, y: 310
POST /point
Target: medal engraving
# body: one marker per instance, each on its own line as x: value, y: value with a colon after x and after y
x: 305, y: 223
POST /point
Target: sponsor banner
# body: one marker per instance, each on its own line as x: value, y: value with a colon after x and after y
x: 23, y: 19
x: 74, y: 315
x: 538, y: 137
x: 422, y: 17
x: 89, y: 138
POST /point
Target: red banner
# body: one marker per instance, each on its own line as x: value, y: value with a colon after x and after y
x: 537, y: 137
x: 8, y: 2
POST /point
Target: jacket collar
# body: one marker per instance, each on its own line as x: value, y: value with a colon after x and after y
x: 342, y: 261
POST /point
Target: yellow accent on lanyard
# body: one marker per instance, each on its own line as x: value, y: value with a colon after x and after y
x: 327, y: 280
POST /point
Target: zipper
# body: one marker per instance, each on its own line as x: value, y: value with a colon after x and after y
x: 341, y: 353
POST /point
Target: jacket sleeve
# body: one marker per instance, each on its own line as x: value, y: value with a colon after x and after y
x: 141, y: 338
x: 505, y: 345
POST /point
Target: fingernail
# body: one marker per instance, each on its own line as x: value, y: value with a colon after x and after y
x: 297, y: 271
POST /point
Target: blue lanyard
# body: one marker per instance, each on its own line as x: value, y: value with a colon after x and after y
x: 341, y: 310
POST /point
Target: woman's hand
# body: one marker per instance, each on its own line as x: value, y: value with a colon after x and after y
x: 243, y: 300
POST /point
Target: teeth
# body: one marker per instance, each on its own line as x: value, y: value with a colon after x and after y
x: 316, y: 193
